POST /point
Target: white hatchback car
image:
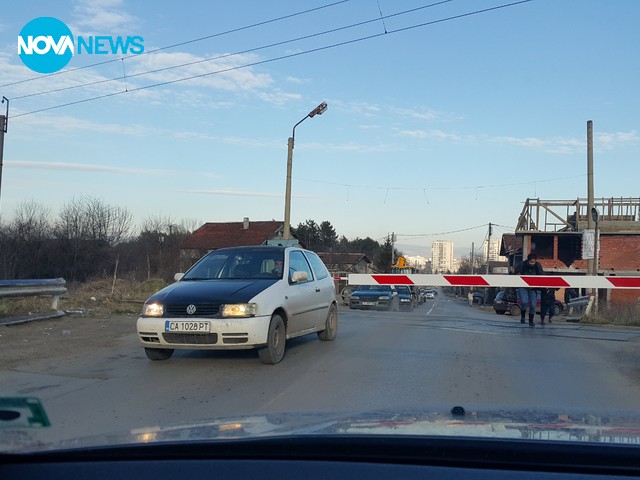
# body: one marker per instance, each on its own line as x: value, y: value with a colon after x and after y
x: 241, y: 298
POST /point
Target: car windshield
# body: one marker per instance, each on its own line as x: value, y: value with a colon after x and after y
x: 237, y: 265
x: 237, y: 219
x: 373, y: 288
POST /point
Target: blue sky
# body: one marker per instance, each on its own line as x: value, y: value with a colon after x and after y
x: 435, y: 129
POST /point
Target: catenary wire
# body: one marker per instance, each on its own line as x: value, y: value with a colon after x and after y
x: 228, y: 55
x: 187, y: 42
x: 282, y: 57
x: 470, y: 187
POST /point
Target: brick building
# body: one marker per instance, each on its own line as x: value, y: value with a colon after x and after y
x: 554, y: 230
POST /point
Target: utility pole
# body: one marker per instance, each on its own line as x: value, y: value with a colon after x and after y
x: 590, y: 201
x: 486, y: 290
x: 319, y: 110
x: 393, y: 247
x: 473, y: 251
x: 592, y: 212
x: 488, y: 248
x: 4, y: 122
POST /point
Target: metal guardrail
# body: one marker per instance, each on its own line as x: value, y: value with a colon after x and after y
x: 54, y: 288
x: 581, y: 306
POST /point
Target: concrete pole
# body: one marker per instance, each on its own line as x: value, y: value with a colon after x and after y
x: 590, y: 201
x: 3, y: 120
x: 287, y: 195
x: 473, y: 251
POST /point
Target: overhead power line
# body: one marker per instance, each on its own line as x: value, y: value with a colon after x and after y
x: 187, y: 42
x: 424, y: 189
x: 282, y: 57
x: 228, y: 55
x: 484, y: 225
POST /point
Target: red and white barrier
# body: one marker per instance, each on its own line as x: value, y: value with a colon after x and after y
x: 527, y: 281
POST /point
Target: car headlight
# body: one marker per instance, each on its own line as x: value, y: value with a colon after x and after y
x: 152, y: 310
x: 238, y: 310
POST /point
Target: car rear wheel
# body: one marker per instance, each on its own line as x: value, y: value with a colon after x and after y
x: 330, y: 325
x: 158, y: 353
x: 514, y: 310
x: 276, y: 338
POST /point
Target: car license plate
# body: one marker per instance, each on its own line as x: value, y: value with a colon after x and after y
x: 368, y: 304
x: 190, y: 327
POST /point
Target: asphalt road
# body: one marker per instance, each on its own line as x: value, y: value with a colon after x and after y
x: 442, y: 353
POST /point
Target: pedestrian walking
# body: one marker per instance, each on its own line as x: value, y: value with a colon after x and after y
x: 470, y: 298
x: 547, y: 303
x: 529, y: 296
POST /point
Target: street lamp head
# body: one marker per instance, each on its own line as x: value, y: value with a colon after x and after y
x: 319, y: 110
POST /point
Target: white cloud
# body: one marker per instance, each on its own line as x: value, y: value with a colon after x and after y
x: 101, y: 17
x: 296, y: 80
x: 278, y: 97
x: 555, y: 145
x: 72, y: 124
x: 433, y: 134
x: 240, y: 193
x: 78, y: 167
x: 426, y: 114
x: 608, y: 141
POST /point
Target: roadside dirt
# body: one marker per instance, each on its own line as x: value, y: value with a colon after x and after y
x: 103, y: 312
x: 67, y: 336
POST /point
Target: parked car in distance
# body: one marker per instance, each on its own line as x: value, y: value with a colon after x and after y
x: 478, y: 297
x: 430, y: 294
x: 375, y: 297
x: 242, y: 298
x: 405, y: 297
x: 507, y: 301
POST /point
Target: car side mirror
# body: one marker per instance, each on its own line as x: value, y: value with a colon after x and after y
x: 299, y: 277
x: 178, y: 276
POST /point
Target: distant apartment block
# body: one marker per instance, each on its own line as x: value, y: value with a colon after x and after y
x: 442, y: 256
x: 494, y: 251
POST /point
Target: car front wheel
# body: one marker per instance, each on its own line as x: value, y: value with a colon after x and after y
x: 274, y: 350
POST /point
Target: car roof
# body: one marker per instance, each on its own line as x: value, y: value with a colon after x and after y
x: 254, y: 248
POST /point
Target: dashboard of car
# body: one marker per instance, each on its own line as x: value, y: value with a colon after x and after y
x: 336, y: 457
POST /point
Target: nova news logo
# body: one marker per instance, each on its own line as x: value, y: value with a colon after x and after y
x: 46, y: 45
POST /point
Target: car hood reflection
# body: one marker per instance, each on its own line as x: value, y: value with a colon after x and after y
x: 541, y: 425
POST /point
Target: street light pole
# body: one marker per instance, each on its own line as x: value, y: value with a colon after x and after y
x: 595, y: 217
x: 4, y: 122
x: 319, y: 110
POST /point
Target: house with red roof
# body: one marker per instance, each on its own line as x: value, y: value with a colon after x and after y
x: 212, y: 236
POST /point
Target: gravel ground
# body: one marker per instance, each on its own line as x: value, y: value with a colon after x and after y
x: 66, y: 336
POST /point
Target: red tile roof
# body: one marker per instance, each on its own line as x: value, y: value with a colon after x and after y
x: 212, y: 236
x: 510, y: 244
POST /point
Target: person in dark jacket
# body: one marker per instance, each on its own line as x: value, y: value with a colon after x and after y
x: 529, y: 296
x: 547, y: 303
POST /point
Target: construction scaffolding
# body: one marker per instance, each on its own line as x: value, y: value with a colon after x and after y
x: 616, y: 215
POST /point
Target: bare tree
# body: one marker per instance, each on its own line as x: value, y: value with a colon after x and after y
x: 88, y: 231
x: 25, y: 242
x: 31, y: 222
